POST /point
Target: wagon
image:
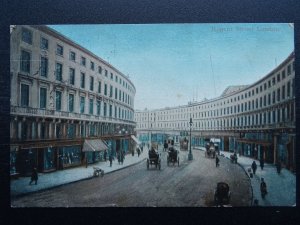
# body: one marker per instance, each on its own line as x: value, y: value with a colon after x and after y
x: 172, y: 156
x: 222, y: 194
x: 153, y: 159
x: 210, y: 151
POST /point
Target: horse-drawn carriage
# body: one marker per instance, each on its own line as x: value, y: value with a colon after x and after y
x: 210, y: 150
x: 172, y: 156
x: 153, y: 159
x: 222, y: 194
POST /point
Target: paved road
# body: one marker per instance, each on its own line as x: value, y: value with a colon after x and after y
x: 190, y: 184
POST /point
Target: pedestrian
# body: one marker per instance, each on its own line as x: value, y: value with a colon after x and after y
x: 105, y: 155
x: 34, y: 176
x: 278, y: 166
x: 110, y: 160
x: 138, y: 152
x: 263, y: 188
x: 122, y: 157
x: 254, y: 167
x: 119, y: 158
x: 217, y: 161
x: 142, y: 148
x: 262, y: 163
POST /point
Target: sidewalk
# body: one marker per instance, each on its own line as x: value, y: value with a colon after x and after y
x: 281, y: 187
x: 21, y: 185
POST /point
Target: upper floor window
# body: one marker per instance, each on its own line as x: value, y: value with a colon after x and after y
x: 283, y: 74
x: 82, y: 80
x: 91, y: 83
x: 92, y: 66
x: 44, y: 43
x: 59, y: 50
x: 116, y: 79
x: 265, y: 86
x: 72, y: 76
x: 24, y: 95
x: 26, y: 35
x: 293, y: 65
x: 105, y: 89
x: 100, y: 69
x: 71, y: 102
x: 278, y: 94
x: 72, y: 56
x: 58, y: 100
x: 111, y: 76
x: 273, y: 81
x: 110, y: 91
x: 289, y: 69
x: 278, y: 77
x: 25, y: 61
x: 44, y: 67
x: 99, y: 87
x: 83, y: 61
x: 58, y: 71
x: 269, y: 83
x: 43, y: 98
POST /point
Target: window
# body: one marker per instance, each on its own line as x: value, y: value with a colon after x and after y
x: 83, y: 61
x: 115, y: 111
x: 43, y: 98
x: 120, y: 95
x: 25, y: 61
x: 273, y: 81
x: 98, y: 107
x: 58, y: 100
x: 111, y: 76
x: 116, y: 93
x: 92, y: 66
x: 265, y: 100
x: 72, y: 76
x: 104, y: 109
x: 256, y: 103
x: 289, y: 70
x: 273, y: 97
x: 110, y: 91
x: 116, y: 79
x: 278, y: 94
x: 58, y: 71
x: 26, y: 36
x: 293, y: 65
x: 269, y: 99
x: 283, y: 74
x: 106, y: 73
x: 99, y: 69
x: 123, y: 96
x: 44, y: 43
x: 81, y: 104
x: 110, y: 110
x: 82, y: 80
x: 256, y: 90
x: 283, y: 92
x: 91, y: 83
x: 44, y: 67
x: 24, y: 95
x: 59, y: 50
x: 105, y: 89
x: 91, y: 106
x: 288, y: 89
x: 99, y: 87
x: 260, y: 88
x: 265, y: 86
x: 278, y: 77
x: 71, y: 102
x: 72, y: 56
x: 269, y: 83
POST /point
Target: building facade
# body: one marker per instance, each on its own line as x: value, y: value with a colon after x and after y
x: 61, y: 95
x: 256, y: 120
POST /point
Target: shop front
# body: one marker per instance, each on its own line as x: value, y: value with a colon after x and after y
x: 94, y: 150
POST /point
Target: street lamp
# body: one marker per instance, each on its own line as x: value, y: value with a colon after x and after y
x: 190, y: 156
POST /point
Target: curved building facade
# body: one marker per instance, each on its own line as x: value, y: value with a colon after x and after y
x: 256, y: 120
x: 61, y: 95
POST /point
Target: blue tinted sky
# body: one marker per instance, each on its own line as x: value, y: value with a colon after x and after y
x: 171, y: 64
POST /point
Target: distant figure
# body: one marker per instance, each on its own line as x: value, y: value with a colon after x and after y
x: 165, y: 146
x: 263, y: 188
x: 262, y: 163
x: 254, y: 167
x: 105, y: 155
x: 34, y: 176
x: 217, y: 161
x: 142, y: 148
x: 278, y: 166
x: 138, y: 152
x: 110, y: 160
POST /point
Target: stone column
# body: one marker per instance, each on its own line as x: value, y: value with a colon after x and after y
x: 50, y: 130
x: 39, y: 130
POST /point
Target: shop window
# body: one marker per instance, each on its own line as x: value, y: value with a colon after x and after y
x: 49, y: 158
x: 70, y: 156
x: 13, y: 157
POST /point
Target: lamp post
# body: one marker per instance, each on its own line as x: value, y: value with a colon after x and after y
x: 190, y: 156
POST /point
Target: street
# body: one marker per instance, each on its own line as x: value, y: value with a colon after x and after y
x: 191, y: 184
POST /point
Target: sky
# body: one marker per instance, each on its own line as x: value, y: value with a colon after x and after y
x: 173, y: 64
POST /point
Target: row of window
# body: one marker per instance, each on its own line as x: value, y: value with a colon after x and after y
x: 107, y: 108
x: 44, y: 45
x: 275, y: 116
x: 25, y: 67
x: 276, y: 96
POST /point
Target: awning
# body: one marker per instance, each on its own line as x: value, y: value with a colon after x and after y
x: 135, y: 139
x: 94, y: 145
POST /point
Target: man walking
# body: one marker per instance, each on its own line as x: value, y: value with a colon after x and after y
x: 34, y: 176
x: 110, y: 160
x: 262, y: 163
x: 254, y: 167
x: 217, y: 161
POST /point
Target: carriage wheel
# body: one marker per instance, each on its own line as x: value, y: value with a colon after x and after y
x: 147, y: 164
